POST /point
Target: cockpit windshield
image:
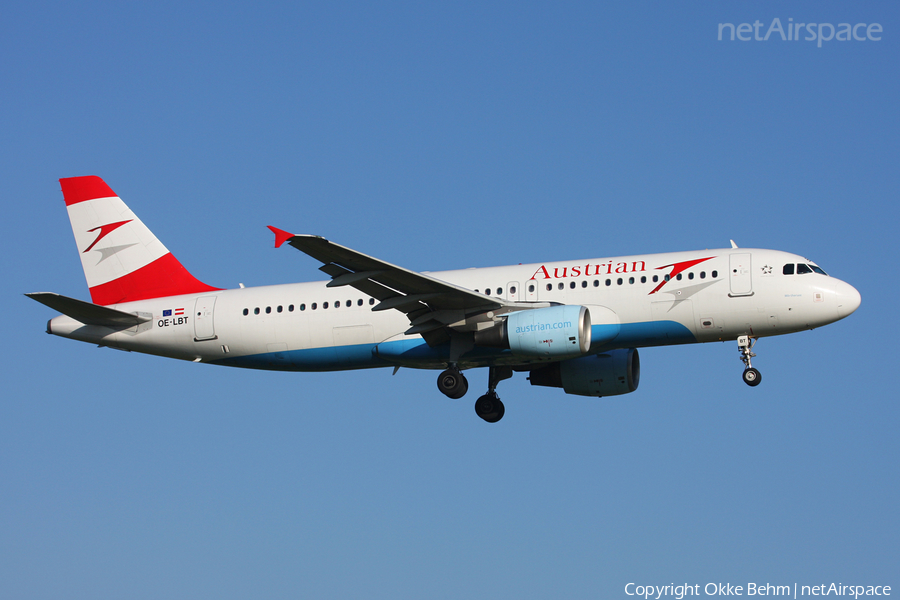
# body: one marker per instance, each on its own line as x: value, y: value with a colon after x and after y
x: 802, y: 269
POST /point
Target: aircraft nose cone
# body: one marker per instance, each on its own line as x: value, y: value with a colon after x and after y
x: 848, y: 298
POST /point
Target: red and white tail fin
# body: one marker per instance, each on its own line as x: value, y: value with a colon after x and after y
x: 122, y: 259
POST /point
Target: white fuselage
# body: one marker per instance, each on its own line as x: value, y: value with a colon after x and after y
x: 720, y: 295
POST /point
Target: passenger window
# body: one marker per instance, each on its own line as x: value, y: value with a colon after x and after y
x: 280, y: 308
x: 561, y: 285
x: 359, y: 302
x: 268, y: 310
x: 584, y: 284
x: 549, y: 287
x: 324, y: 305
x: 803, y: 269
x: 655, y: 278
x: 572, y: 285
x: 256, y: 311
x: 631, y: 280
x: 619, y: 281
x: 715, y: 274
x: 314, y: 306
x: 608, y: 282
x: 291, y: 308
x: 702, y: 274
x: 678, y: 277
x: 691, y: 275
x: 643, y: 279
x: 788, y: 269
x: 371, y: 301
x: 531, y: 289
x: 302, y: 307
x: 512, y: 289
x: 246, y: 312
x: 596, y: 283
x: 337, y: 304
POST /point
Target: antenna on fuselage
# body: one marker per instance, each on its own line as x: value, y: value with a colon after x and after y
x: 733, y: 245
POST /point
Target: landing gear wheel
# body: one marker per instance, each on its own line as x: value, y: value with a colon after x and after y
x: 453, y: 384
x: 752, y: 377
x: 489, y: 408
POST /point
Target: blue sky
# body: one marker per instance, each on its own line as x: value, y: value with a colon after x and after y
x: 440, y: 137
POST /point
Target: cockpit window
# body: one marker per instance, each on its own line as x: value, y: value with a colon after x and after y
x: 803, y: 269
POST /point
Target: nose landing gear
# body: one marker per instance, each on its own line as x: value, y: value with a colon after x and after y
x: 751, y: 376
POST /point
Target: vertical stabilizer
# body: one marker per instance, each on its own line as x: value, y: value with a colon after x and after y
x: 123, y: 261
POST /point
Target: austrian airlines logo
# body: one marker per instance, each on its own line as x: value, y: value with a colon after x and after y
x: 676, y: 269
x: 105, y: 230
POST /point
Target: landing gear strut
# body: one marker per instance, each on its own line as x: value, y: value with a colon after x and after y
x: 489, y: 407
x: 452, y: 383
x: 751, y: 376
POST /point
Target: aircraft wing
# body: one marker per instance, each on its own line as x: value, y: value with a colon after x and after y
x: 429, y: 303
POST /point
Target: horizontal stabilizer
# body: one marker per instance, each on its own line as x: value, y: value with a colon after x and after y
x: 87, y: 313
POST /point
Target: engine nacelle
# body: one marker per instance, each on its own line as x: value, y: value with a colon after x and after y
x: 608, y: 374
x: 552, y: 332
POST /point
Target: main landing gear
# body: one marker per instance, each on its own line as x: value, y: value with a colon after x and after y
x: 453, y: 384
x: 751, y: 376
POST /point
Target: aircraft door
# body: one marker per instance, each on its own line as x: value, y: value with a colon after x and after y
x: 739, y: 274
x: 204, y: 328
x: 512, y: 291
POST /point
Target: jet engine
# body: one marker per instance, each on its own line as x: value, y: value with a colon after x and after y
x: 552, y: 332
x: 607, y: 374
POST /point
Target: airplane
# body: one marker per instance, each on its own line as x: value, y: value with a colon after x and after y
x: 575, y: 325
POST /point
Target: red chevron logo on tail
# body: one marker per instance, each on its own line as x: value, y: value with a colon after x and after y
x: 105, y: 230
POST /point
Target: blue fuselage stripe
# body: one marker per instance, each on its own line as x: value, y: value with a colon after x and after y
x: 415, y: 351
